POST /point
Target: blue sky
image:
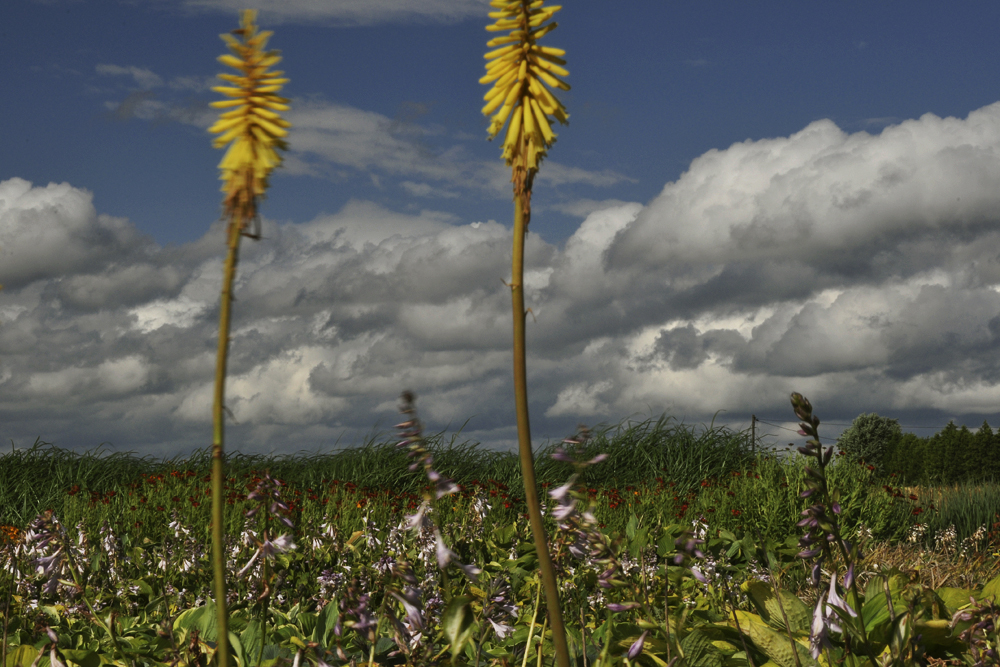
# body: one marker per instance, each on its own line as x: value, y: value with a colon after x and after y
x: 703, y: 137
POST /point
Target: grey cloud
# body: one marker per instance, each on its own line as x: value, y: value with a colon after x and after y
x: 141, y: 75
x: 858, y: 269
x: 351, y: 12
x: 55, y: 232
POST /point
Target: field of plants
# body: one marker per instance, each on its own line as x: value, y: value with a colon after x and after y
x: 334, y: 566
x: 652, y: 544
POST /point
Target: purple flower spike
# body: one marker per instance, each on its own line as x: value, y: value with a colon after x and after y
x: 559, y: 492
x: 415, y: 521
x: 636, y: 647
x: 560, y: 455
x: 849, y: 577
x: 471, y: 571
x: 597, y: 459
x: 446, y: 487
x: 838, y: 601
x: 444, y: 554
x: 698, y: 575
x: 501, y: 629
x: 412, y: 605
x: 614, y: 606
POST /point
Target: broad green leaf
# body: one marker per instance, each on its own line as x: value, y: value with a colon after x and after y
x: 699, y: 651
x: 251, y: 639
x: 457, y: 623
x: 325, y: 623
x: 991, y: 589
x: 22, y: 655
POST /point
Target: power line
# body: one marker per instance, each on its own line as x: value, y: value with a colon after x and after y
x: 785, y: 428
x: 843, y: 424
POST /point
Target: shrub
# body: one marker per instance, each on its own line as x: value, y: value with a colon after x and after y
x: 868, y: 438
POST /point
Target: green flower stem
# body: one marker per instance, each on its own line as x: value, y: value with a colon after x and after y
x: 829, y: 501
x: 14, y: 570
x: 107, y: 627
x: 218, y: 545
x: 524, y: 440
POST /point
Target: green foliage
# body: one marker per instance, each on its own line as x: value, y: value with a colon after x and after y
x: 868, y: 438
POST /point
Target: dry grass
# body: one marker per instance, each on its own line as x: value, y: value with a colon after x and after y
x: 952, y: 568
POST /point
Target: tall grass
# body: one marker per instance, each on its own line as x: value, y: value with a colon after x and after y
x: 638, y: 453
x: 655, y: 467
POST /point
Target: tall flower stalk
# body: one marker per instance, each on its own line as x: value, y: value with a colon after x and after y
x: 253, y: 130
x: 517, y: 70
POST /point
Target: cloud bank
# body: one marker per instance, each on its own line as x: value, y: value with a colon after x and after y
x: 859, y: 269
x: 352, y: 12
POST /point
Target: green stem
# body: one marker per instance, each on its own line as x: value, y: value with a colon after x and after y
x: 109, y: 627
x: 14, y: 569
x: 524, y: 441
x: 218, y: 553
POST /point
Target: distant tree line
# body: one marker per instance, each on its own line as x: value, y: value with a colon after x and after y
x: 951, y: 456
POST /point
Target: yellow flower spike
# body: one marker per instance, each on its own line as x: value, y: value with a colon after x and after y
x: 519, y: 69
x: 253, y: 120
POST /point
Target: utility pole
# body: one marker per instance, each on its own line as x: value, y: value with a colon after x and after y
x: 753, y: 432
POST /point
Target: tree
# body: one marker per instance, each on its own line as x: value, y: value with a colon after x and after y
x: 978, y: 453
x: 936, y: 456
x: 868, y: 438
x: 904, y: 456
x: 957, y: 449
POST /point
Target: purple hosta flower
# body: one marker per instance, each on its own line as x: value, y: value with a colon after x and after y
x: 562, y: 455
x: 559, y: 493
x: 605, y: 579
x: 53, y: 658
x: 614, y: 606
x: 636, y: 647
x: 819, y: 635
x: 687, y: 547
x: 267, y: 549
x: 502, y: 629
x: 445, y: 556
x: 498, y: 604
x: 837, y: 601
x: 825, y: 619
x: 47, y: 538
x: 267, y: 491
x: 445, y: 487
x: 355, y: 604
x: 698, y: 575
x: 411, y: 603
x: 419, y: 520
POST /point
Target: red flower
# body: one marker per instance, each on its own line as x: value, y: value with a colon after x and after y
x: 912, y: 497
x: 918, y: 510
x: 735, y: 512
